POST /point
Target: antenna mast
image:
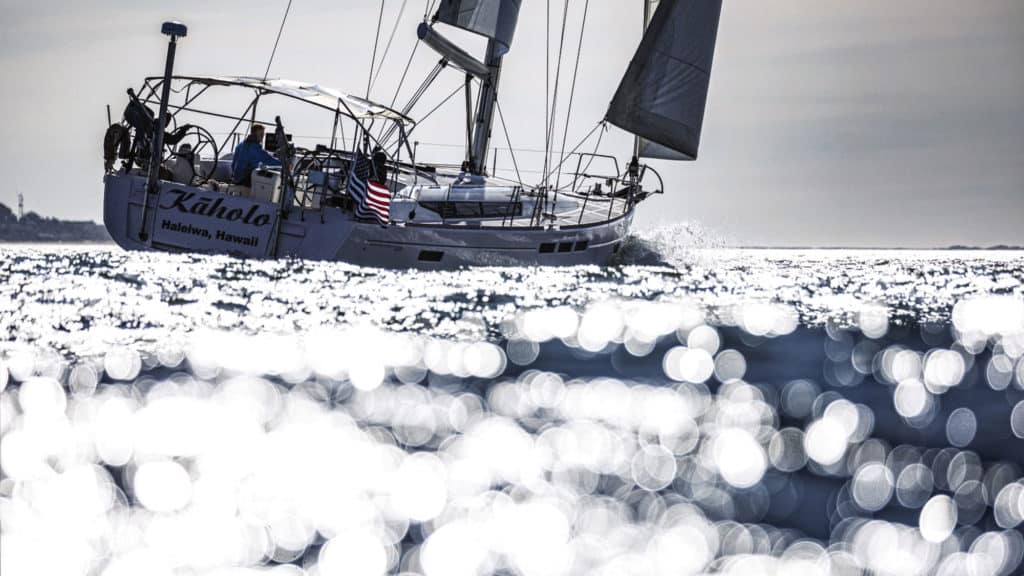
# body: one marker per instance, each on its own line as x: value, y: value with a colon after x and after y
x: 21, y: 205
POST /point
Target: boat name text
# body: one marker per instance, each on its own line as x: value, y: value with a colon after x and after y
x: 213, y: 208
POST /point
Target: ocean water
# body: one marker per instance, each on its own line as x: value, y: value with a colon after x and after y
x: 692, y: 409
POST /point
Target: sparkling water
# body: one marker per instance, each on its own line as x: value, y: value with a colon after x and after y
x: 691, y: 409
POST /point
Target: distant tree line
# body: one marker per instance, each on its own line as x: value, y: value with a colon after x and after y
x: 35, y: 228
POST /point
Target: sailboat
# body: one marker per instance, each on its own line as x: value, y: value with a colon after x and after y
x: 359, y: 195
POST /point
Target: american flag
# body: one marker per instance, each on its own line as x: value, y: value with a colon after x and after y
x: 373, y: 199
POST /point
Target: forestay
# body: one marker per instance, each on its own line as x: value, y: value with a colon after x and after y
x: 662, y: 96
x: 495, y: 19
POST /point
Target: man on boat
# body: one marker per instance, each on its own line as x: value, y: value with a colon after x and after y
x: 249, y: 155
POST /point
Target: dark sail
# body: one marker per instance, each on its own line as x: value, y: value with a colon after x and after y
x: 661, y: 97
x: 495, y: 19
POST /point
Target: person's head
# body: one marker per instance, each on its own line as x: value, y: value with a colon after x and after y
x: 256, y: 133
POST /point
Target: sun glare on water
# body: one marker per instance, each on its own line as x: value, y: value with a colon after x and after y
x: 613, y: 434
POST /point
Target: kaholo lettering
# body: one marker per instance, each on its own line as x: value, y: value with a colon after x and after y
x: 210, y: 207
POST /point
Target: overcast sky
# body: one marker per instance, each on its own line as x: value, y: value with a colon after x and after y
x: 830, y: 122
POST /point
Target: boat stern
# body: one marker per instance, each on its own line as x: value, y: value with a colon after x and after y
x: 123, y: 196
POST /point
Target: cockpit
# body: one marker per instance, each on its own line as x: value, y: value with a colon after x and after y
x: 315, y: 146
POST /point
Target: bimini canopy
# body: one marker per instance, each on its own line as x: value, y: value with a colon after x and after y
x: 315, y: 94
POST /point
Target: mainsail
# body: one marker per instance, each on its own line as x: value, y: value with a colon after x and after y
x: 495, y: 19
x: 661, y: 97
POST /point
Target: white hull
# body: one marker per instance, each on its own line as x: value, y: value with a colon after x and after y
x: 189, y: 219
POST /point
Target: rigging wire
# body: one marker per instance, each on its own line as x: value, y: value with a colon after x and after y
x: 597, y: 145
x: 547, y: 75
x: 415, y: 98
x: 429, y: 8
x: 279, y: 30
x: 459, y: 146
x: 344, y: 139
x: 434, y: 109
x: 600, y: 136
x: 270, y: 61
x: 572, y: 94
x: 398, y: 88
x: 508, y: 141
x: 428, y: 5
x: 387, y: 47
x: 600, y: 124
x: 376, y: 41
x: 550, y: 128
x: 427, y: 82
x: 404, y: 74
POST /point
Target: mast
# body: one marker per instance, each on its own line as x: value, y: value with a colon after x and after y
x: 495, y: 20
x: 487, y: 100
x: 488, y: 72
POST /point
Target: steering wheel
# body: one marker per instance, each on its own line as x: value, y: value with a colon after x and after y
x: 203, y: 147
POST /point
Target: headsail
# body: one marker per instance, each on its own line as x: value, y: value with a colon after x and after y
x: 661, y: 97
x: 644, y: 147
x: 495, y: 19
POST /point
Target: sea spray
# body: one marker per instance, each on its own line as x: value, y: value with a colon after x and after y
x: 675, y: 245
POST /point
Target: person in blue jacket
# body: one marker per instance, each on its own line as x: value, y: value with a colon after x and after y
x: 249, y: 154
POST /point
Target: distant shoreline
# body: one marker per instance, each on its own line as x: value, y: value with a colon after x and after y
x: 32, y: 228
x: 4, y: 241
x: 997, y: 248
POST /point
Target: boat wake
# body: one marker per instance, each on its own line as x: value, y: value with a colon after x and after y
x: 674, y: 245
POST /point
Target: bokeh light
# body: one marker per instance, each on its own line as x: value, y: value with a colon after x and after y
x: 594, y: 436
x: 938, y: 519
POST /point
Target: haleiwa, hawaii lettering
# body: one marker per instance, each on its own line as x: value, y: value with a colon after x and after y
x: 183, y: 228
